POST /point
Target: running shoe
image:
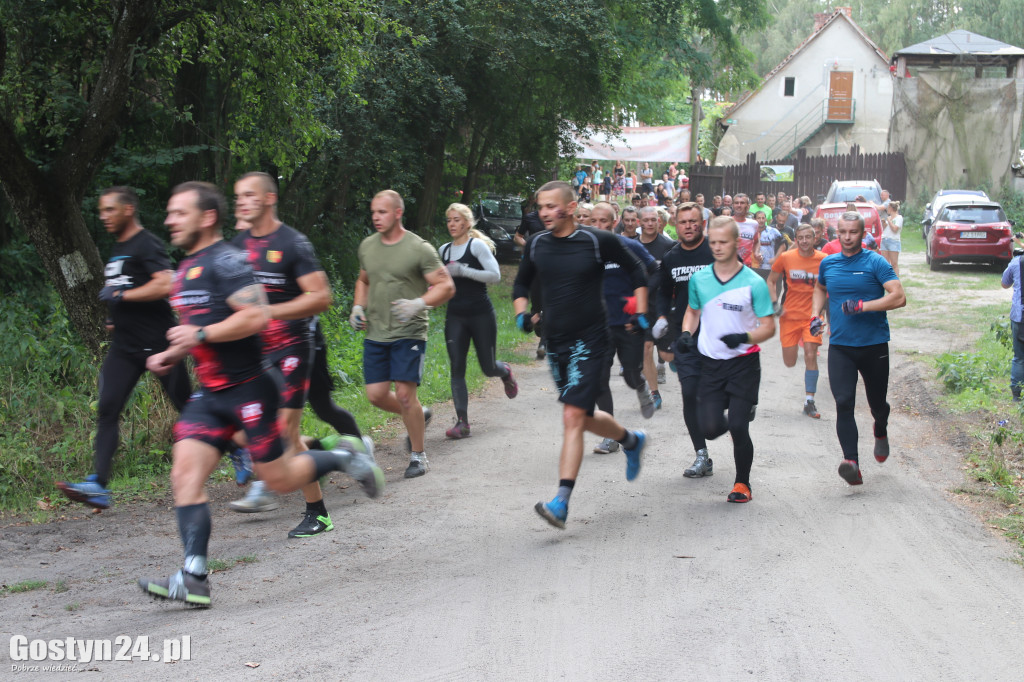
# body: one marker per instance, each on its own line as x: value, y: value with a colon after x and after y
x: 881, y: 449
x: 359, y: 462
x: 511, y: 387
x: 811, y: 410
x: 181, y: 586
x: 428, y: 414
x: 418, y: 465
x: 656, y: 395
x: 554, y: 512
x: 850, y: 472
x: 241, y: 459
x: 634, y: 455
x: 646, y: 399
x: 606, y: 446
x: 258, y: 499
x: 311, y: 524
x: 740, y: 493
x: 701, y: 467
x: 89, y: 492
x: 661, y: 373
x: 460, y: 430
x: 330, y: 442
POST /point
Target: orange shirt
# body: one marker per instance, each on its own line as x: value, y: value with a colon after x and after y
x: 801, y: 275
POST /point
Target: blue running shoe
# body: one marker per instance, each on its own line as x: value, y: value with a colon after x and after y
x: 633, y: 455
x: 554, y: 512
x: 241, y: 459
x: 89, y: 493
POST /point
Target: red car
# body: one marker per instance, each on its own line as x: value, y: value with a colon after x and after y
x: 831, y: 213
x: 970, y: 233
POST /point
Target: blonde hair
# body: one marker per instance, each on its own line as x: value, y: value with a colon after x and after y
x: 893, y: 204
x: 727, y: 223
x: 393, y: 196
x: 466, y: 214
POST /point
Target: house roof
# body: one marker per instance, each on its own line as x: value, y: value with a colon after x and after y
x: 961, y: 42
x: 837, y: 15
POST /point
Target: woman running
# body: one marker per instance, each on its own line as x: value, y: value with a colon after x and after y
x: 469, y: 257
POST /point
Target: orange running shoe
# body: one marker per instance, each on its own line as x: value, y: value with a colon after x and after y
x: 740, y: 493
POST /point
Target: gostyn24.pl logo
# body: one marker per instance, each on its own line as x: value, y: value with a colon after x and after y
x: 71, y: 650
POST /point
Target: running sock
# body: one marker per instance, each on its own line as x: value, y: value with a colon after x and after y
x: 317, y: 507
x: 194, y: 526
x: 809, y: 398
x: 811, y: 381
x: 629, y: 441
x: 565, y: 487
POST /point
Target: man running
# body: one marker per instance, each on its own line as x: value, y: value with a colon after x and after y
x: 730, y: 304
x: 137, y: 283
x: 860, y: 286
x: 799, y: 269
x: 222, y: 309
x: 657, y: 245
x: 401, y: 277
x: 691, y: 255
x: 297, y: 289
x: 569, y: 260
x: 627, y: 340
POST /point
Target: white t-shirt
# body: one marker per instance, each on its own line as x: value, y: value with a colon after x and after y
x: 897, y: 221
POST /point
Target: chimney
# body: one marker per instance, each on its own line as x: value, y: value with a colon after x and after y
x: 819, y: 20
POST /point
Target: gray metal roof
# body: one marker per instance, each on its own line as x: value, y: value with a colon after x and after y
x: 961, y: 42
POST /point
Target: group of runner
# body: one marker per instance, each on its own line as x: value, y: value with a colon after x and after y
x: 247, y: 314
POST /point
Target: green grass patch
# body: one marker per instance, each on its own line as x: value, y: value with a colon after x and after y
x: 73, y: 606
x: 60, y: 586
x: 23, y: 586
x: 220, y: 565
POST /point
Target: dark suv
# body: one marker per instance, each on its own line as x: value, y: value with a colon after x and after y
x: 498, y: 217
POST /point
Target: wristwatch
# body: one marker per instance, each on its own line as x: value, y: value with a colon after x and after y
x: 201, y: 334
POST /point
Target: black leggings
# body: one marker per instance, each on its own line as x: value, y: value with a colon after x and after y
x: 319, y: 396
x: 630, y: 348
x: 688, y: 369
x: 872, y: 362
x: 119, y: 374
x: 482, y: 330
x: 730, y: 385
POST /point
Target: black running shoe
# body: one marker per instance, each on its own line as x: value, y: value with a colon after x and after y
x: 181, y: 586
x: 312, y: 524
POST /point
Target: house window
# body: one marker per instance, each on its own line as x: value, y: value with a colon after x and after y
x: 789, y: 87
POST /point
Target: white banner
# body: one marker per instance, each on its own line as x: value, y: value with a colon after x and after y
x: 655, y: 143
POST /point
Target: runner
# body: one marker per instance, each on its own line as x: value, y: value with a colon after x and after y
x: 137, y: 282
x: 222, y: 309
x: 799, y: 269
x: 747, y: 227
x: 657, y: 245
x: 469, y: 257
x: 860, y: 286
x: 400, y: 279
x: 683, y: 260
x: 569, y: 259
x: 297, y: 289
x: 627, y: 340
x: 730, y: 304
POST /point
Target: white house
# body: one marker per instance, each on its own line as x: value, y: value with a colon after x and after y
x: 833, y: 91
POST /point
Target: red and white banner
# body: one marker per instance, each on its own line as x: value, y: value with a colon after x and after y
x: 655, y: 143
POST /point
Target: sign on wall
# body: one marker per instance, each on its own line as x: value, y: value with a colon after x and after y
x: 776, y: 173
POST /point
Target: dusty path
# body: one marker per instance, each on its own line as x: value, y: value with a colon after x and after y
x: 453, y: 576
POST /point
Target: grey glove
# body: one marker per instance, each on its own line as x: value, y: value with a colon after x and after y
x: 358, y: 318
x: 404, y: 309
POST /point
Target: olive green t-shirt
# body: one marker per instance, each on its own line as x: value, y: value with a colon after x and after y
x: 396, y: 271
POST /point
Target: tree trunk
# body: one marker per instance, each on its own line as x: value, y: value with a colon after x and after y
x: 190, y: 95
x: 426, y: 198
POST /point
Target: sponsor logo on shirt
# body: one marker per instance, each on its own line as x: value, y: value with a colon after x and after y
x: 273, y: 279
x: 190, y: 298
x: 273, y: 256
x: 684, y: 272
x: 194, y: 272
x: 733, y: 307
x: 802, y: 276
x: 251, y: 412
x: 289, y: 364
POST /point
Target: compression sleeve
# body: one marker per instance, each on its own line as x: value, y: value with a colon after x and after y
x: 490, y: 273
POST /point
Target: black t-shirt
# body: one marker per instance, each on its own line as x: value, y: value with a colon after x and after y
x: 139, y: 326
x: 677, y: 267
x: 530, y: 225
x: 278, y: 260
x: 658, y: 247
x: 716, y: 211
x: 571, y: 272
x: 202, y: 285
x: 470, y: 295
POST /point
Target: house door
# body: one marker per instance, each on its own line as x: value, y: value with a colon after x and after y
x: 840, y: 96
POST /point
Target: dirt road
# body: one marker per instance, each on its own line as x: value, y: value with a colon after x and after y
x: 453, y: 576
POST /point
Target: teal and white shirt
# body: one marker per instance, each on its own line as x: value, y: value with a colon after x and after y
x: 731, y: 307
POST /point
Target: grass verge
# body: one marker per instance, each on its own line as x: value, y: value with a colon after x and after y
x: 23, y: 586
x: 220, y: 565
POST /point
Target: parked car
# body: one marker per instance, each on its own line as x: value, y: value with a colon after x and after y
x: 972, y: 232
x: 498, y: 217
x: 831, y: 212
x: 945, y: 196
x: 848, y: 190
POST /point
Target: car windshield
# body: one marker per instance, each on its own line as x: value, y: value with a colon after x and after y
x: 973, y: 214
x: 501, y: 208
x: 851, y: 192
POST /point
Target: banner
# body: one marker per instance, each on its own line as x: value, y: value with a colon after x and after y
x: 656, y: 143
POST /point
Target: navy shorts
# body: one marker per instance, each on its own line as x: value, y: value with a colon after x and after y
x: 400, y: 360
x: 577, y: 366
x: 212, y: 417
x: 296, y: 366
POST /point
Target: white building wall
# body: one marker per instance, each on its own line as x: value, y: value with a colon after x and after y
x: 768, y: 115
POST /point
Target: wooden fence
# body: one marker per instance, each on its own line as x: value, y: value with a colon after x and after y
x: 812, y: 175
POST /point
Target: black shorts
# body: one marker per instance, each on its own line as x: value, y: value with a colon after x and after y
x: 577, y: 366
x: 213, y: 417
x: 296, y: 366
x: 740, y: 377
x: 688, y: 365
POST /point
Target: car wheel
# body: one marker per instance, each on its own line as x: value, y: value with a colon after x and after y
x: 934, y: 264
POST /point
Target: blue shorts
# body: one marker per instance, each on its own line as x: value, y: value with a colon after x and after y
x: 400, y: 360
x: 890, y: 244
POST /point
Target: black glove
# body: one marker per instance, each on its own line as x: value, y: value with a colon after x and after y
x: 686, y: 343
x: 638, y: 323
x: 112, y: 294
x: 524, y: 322
x: 734, y: 340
